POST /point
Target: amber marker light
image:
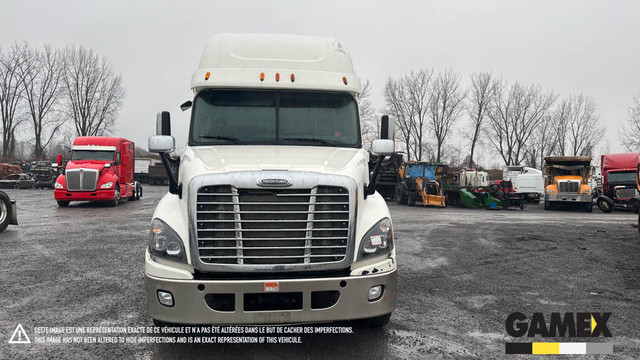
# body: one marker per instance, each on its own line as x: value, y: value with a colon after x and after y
x: 344, y: 80
x: 261, y: 76
x: 277, y: 76
x: 207, y: 75
x: 293, y: 77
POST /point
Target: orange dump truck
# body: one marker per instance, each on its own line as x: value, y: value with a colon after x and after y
x: 567, y: 182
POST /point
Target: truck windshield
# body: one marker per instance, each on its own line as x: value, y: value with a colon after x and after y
x: 274, y: 117
x: 92, y: 155
x: 622, y: 177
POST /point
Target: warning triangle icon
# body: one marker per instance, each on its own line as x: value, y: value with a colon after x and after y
x: 19, y: 336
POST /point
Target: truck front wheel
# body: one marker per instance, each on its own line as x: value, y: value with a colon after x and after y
x: 5, y: 211
x: 376, y: 322
x: 116, y: 197
x: 63, y: 203
x: 605, y: 204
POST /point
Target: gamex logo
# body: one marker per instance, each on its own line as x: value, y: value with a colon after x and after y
x: 582, y: 324
x: 573, y: 325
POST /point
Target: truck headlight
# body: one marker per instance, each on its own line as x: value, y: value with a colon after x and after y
x: 106, y: 185
x: 377, y: 241
x: 165, y: 243
x: 587, y: 192
x: 58, y: 185
x: 550, y: 191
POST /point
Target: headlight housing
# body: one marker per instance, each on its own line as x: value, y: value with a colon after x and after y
x: 106, y: 185
x: 550, y: 191
x: 59, y: 186
x: 377, y: 241
x: 165, y: 243
x: 588, y: 191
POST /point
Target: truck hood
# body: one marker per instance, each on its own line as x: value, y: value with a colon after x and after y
x: 214, y: 159
x: 86, y: 165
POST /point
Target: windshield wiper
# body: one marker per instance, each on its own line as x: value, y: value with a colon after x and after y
x: 310, y: 140
x: 229, y: 138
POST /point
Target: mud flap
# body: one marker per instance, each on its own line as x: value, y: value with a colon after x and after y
x: 13, y: 213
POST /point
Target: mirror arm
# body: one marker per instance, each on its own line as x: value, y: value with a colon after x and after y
x: 172, y: 166
x: 371, y: 189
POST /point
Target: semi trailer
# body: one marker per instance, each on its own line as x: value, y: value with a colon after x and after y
x: 272, y: 215
x: 100, y: 170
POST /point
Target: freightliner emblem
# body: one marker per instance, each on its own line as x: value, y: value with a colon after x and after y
x: 274, y: 182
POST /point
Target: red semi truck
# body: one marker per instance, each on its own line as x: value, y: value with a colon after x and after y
x: 619, y: 182
x: 100, y: 169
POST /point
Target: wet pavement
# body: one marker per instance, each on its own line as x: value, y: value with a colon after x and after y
x: 461, y: 273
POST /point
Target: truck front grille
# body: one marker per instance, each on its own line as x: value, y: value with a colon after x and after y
x: 569, y: 187
x: 272, y: 226
x: 82, y: 179
x: 626, y: 193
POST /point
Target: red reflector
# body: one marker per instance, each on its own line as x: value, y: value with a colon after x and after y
x: 293, y: 78
x: 277, y: 76
x: 344, y: 80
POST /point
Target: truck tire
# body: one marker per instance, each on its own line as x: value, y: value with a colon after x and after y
x: 411, y: 201
x: 5, y: 211
x: 116, y: 197
x: 605, y: 204
x: 16, y: 186
x: 589, y: 207
x: 139, y: 192
x: 134, y: 192
x: 547, y: 205
x: 376, y: 322
x: 401, y: 195
x: 63, y: 203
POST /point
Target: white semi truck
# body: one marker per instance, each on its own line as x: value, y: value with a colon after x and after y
x: 271, y: 215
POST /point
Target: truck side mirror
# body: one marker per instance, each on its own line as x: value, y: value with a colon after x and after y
x: 161, y: 143
x: 163, y: 123
x: 186, y: 105
x: 387, y: 127
x: 383, y: 147
x: 59, y: 160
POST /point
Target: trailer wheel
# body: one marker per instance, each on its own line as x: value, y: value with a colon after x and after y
x: 411, y: 201
x: 604, y: 204
x: 5, y: 211
x: 63, y: 203
x: 139, y: 192
x: 401, y: 195
x: 134, y: 193
x: 376, y: 322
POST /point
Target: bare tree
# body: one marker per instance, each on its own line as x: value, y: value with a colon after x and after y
x: 577, y: 126
x: 544, y: 142
x: 418, y: 87
x: 398, y: 106
x: 366, y: 112
x: 445, y: 105
x: 517, y: 112
x: 94, y: 93
x: 11, y: 91
x: 40, y: 74
x: 481, y: 95
x: 630, y: 134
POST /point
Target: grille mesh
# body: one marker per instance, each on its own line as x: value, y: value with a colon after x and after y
x: 272, y: 226
x: 626, y: 193
x: 81, y: 179
x: 569, y: 187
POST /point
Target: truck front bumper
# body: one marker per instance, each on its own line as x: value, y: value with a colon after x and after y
x: 568, y: 197
x: 97, y: 195
x: 305, y: 300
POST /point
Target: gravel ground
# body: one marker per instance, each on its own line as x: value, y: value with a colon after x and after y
x: 461, y: 273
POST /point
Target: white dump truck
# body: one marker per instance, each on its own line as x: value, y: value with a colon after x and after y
x: 271, y: 215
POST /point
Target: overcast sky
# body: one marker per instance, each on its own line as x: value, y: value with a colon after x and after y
x: 567, y: 46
